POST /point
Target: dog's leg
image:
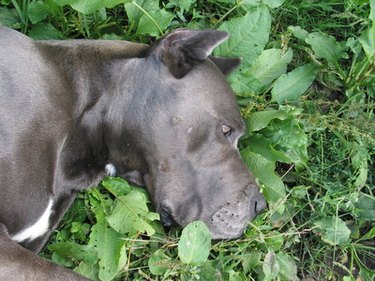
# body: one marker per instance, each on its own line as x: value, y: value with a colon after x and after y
x: 18, y: 263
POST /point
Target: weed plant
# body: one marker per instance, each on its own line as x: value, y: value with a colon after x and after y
x: 306, y: 89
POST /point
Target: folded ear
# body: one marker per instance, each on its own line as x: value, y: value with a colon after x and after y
x: 226, y: 65
x: 182, y: 49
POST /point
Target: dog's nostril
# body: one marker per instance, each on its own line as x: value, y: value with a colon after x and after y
x: 167, y: 218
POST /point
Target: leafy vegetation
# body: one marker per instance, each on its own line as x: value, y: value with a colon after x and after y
x: 306, y: 89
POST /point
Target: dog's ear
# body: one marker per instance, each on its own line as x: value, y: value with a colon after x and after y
x: 182, y: 49
x: 226, y: 65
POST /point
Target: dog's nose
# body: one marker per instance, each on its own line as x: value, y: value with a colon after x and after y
x: 259, y: 204
x: 167, y: 218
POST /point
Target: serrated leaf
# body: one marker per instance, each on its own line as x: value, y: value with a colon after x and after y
x: 288, y: 268
x: 195, y: 243
x: 291, y: 86
x: 90, y: 6
x: 264, y: 170
x: 110, y: 247
x: 131, y: 214
x: 248, y: 35
x: 333, y: 230
x: 325, y: 47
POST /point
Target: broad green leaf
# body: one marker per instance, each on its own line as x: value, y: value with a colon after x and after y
x: 117, y: 186
x: 367, y: 40
x: 288, y: 268
x: 44, y: 31
x: 131, y: 214
x: 325, y: 47
x: 250, y: 261
x: 195, y: 243
x: 248, y: 35
x: 148, y: 17
x: 90, y: 6
x: 90, y: 271
x: 271, y: 266
x: 38, y: 11
x: 274, y: 240
x: 110, y: 247
x: 264, y: 170
x: 270, y: 3
x: 291, y: 86
x: 365, y: 207
x: 333, y: 230
x: 298, y: 32
x: 260, y: 119
x: 372, y: 13
x: 263, y: 146
x: 159, y: 263
x: 288, y: 136
x: 267, y: 67
x: 8, y: 17
x: 73, y: 250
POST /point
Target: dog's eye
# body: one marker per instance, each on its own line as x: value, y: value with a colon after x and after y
x: 227, y: 131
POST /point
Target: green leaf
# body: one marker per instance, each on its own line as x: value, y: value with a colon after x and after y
x: 38, y: 11
x: 195, y: 243
x: 248, y: 35
x: 110, y: 247
x: 159, y: 263
x: 298, y: 32
x: 271, y: 266
x: 333, y: 230
x: 369, y: 235
x: 8, y: 17
x: 90, y: 6
x: 149, y: 18
x: 288, y: 268
x: 131, y: 214
x: 365, y: 207
x: 267, y: 67
x: 260, y: 119
x: 88, y: 270
x: 251, y: 261
x: 270, y: 3
x: 75, y: 251
x: 367, y: 39
x: 291, y: 86
x: 117, y: 186
x: 264, y: 170
x: 372, y: 13
x: 264, y: 146
x: 325, y: 47
x: 44, y: 31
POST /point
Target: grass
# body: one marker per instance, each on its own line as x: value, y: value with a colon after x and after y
x: 322, y: 228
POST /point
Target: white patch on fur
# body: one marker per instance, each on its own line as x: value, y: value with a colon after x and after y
x: 110, y: 170
x: 38, y: 228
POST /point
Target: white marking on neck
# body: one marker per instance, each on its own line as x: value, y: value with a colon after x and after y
x: 38, y: 228
x: 110, y: 170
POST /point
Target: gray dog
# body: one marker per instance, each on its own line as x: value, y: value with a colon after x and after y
x: 73, y: 111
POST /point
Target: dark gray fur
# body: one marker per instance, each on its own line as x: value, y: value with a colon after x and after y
x: 68, y: 108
